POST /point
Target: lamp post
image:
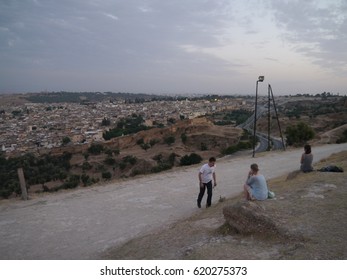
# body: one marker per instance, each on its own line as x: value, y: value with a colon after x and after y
x: 260, y: 79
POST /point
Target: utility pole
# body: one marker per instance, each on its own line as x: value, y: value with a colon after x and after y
x: 22, y: 183
x: 260, y: 79
x: 278, y: 122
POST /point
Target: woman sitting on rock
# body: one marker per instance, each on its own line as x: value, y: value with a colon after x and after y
x: 255, y: 187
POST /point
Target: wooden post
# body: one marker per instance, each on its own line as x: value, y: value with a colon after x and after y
x: 22, y: 183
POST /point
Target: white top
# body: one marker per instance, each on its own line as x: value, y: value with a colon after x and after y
x: 206, y: 173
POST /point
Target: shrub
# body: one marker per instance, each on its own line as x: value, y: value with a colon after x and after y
x: 95, y: 149
x: 145, y: 146
x: 343, y: 138
x: 193, y: 158
x: 86, y: 180
x: 203, y: 147
x: 161, y: 167
x: 108, y: 152
x: 299, y: 134
x: 122, y: 165
x: 152, y: 142
x: 66, y: 140
x: 158, y: 157
x: 86, y: 166
x: 169, y: 140
x: 242, y: 145
x: 130, y: 159
x: 110, y: 161
x: 106, y: 175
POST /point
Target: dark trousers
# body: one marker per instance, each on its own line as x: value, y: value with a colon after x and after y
x: 209, y: 193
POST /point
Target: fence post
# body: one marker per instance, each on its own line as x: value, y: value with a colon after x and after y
x: 22, y: 183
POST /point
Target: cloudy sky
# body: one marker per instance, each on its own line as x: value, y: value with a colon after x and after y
x: 173, y: 46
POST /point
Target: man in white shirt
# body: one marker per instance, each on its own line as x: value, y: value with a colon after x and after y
x: 206, y: 175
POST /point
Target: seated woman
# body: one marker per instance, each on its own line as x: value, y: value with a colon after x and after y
x: 255, y: 187
x: 306, y: 159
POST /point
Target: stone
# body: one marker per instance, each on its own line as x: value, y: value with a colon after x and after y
x: 249, y: 217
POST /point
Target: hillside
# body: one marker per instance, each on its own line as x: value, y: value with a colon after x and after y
x: 149, y: 151
x: 327, y: 117
x: 202, y: 137
x: 310, y: 208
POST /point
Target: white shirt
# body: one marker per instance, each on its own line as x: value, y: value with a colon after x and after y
x: 206, y: 173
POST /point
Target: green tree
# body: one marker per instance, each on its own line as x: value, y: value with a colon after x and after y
x: 95, y: 149
x: 66, y: 140
x: 106, y: 175
x: 169, y: 140
x: 299, y: 134
x: 110, y: 161
x: 105, y: 122
x: 193, y: 158
x: 86, y: 166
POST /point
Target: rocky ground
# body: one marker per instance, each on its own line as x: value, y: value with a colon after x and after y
x: 307, y: 220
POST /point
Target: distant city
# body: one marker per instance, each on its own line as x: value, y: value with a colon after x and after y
x: 42, y: 121
x: 30, y: 122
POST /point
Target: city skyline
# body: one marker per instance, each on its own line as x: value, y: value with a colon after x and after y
x: 173, y: 47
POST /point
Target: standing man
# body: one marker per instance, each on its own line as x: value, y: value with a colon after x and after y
x: 206, y: 175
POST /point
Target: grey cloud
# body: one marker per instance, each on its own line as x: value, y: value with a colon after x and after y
x: 110, y: 36
x: 319, y: 32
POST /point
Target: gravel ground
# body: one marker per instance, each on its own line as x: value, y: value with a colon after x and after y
x: 85, y: 223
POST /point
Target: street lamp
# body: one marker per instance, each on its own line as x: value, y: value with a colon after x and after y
x: 260, y: 79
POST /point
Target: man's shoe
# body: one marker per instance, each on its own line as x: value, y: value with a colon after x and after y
x: 207, y: 206
x: 199, y: 204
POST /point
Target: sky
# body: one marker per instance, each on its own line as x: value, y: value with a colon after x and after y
x: 174, y: 46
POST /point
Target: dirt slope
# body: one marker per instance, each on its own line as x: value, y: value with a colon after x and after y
x: 312, y: 207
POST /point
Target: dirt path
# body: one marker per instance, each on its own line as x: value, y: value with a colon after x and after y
x: 85, y: 223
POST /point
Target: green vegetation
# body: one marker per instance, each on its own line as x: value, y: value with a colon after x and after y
x: 242, y: 145
x: 130, y: 159
x: 193, y: 158
x: 106, y: 175
x: 66, y: 140
x: 143, y: 145
x: 234, y: 117
x: 130, y: 125
x: 299, y: 134
x: 163, y: 163
x: 110, y: 161
x: 169, y: 140
x: 105, y: 122
x: 36, y: 171
x: 327, y: 105
x: 343, y: 138
x: 96, y: 149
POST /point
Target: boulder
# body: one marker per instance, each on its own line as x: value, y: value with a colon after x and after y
x: 250, y: 217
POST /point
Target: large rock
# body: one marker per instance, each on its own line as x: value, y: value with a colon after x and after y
x: 248, y: 217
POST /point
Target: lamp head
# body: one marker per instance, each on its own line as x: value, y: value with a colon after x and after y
x: 261, y: 78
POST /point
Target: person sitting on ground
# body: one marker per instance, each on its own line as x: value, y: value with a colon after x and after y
x: 306, y: 159
x: 255, y: 187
